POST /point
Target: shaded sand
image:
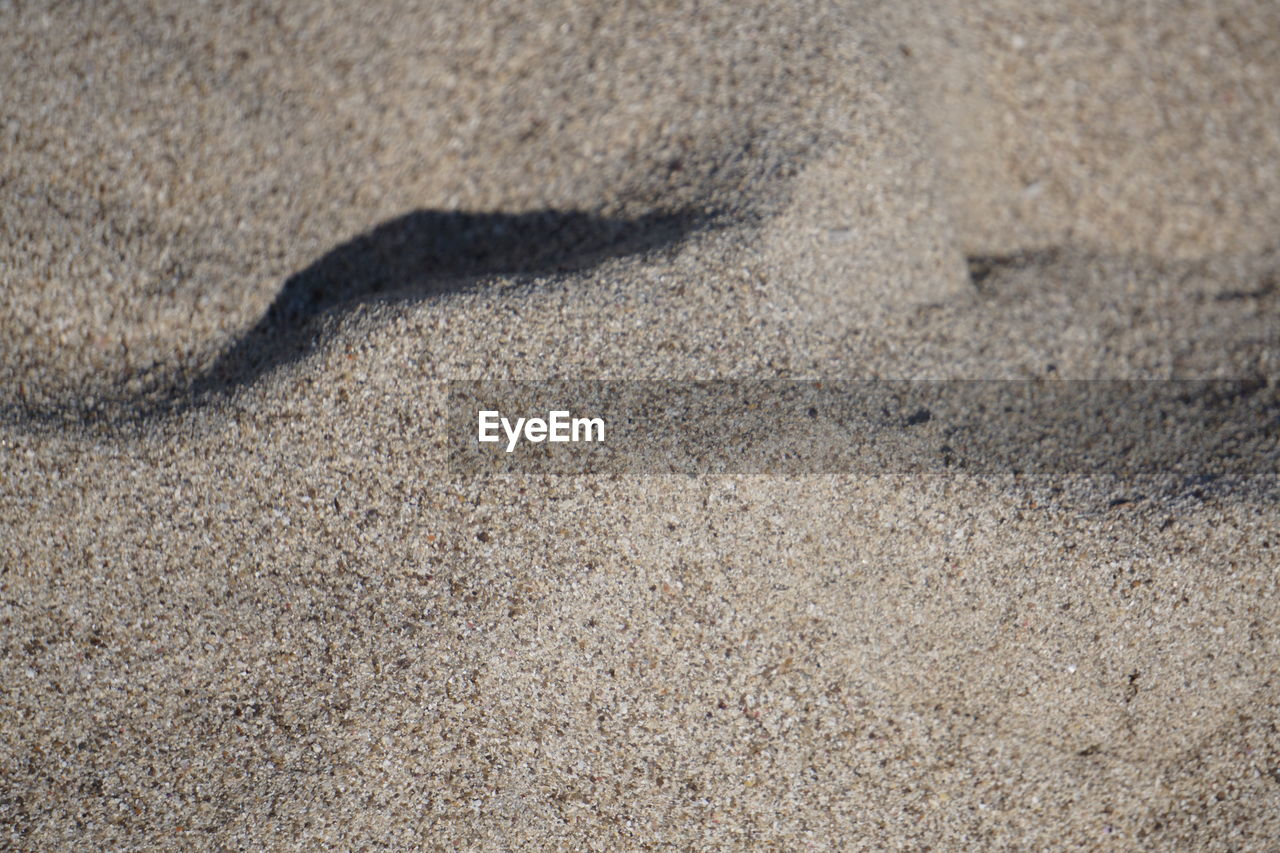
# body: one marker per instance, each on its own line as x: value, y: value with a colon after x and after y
x: 243, y: 248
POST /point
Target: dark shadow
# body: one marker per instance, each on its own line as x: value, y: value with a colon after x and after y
x: 983, y: 267
x: 430, y: 252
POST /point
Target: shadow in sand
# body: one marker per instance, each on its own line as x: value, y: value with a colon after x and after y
x: 431, y: 252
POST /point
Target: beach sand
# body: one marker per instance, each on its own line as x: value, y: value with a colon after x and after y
x: 245, y: 247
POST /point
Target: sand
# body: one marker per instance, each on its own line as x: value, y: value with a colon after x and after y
x: 245, y: 604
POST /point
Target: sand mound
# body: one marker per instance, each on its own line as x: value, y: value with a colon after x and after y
x: 246, y: 605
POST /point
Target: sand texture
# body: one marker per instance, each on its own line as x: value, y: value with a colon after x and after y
x: 244, y: 246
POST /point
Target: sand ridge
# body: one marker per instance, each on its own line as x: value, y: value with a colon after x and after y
x: 245, y: 247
